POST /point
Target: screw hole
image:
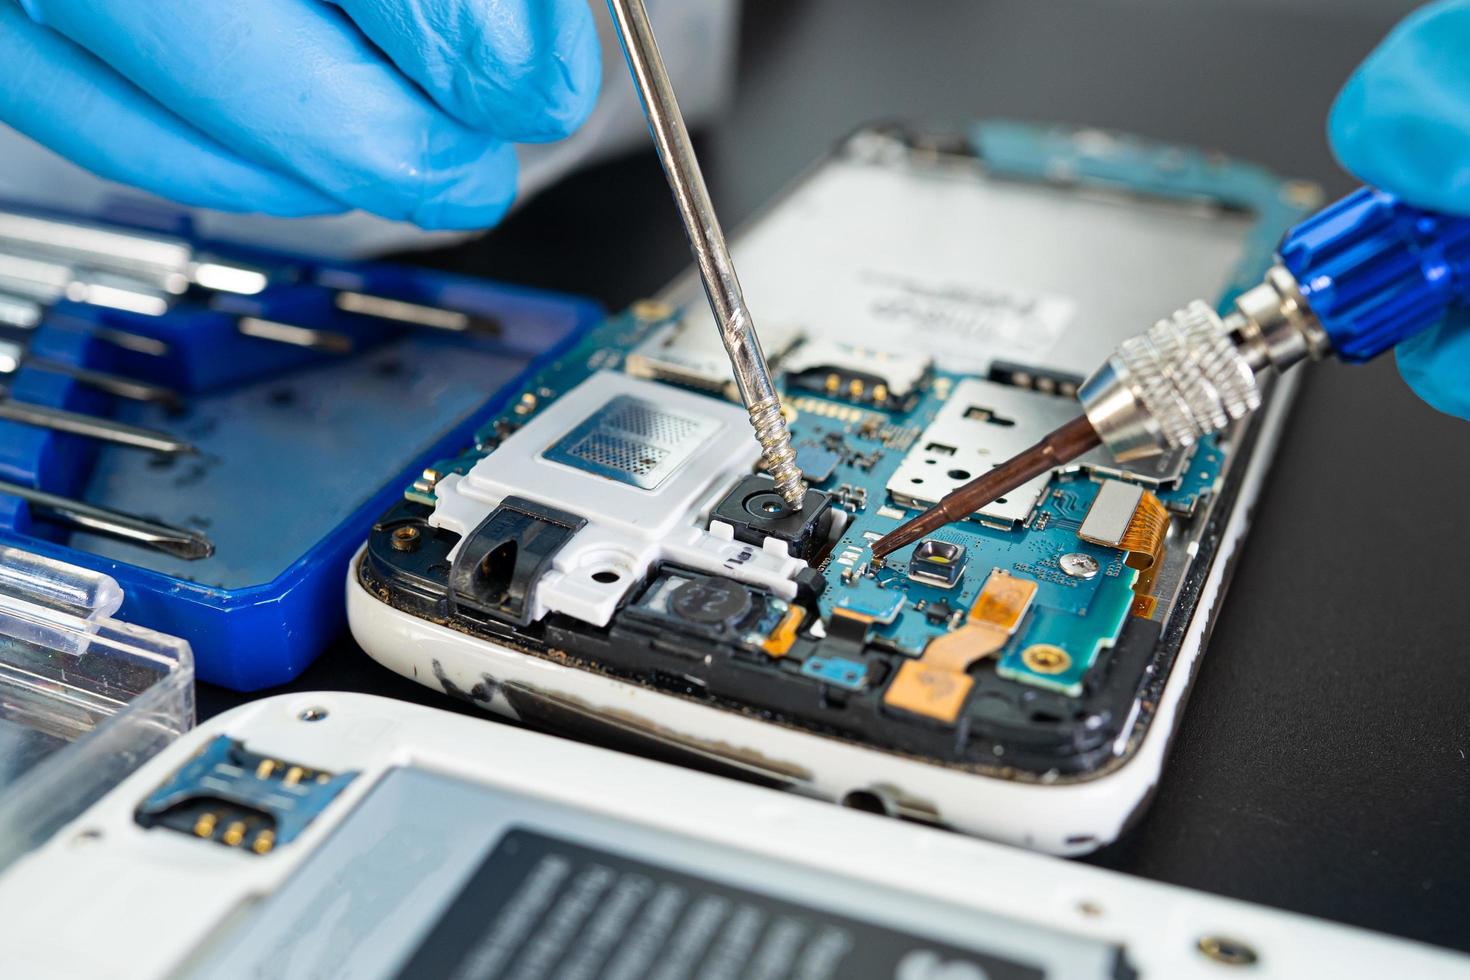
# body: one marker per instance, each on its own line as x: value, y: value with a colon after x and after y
x: 958, y: 474
x: 916, y: 479
x: 866, y: 801
x: 1231, y: 952
x: 312, y: 714
x: 606, y: 577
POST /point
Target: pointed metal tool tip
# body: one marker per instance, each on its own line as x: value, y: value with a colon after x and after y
x: 189, y: 545
x: 1061, y: 446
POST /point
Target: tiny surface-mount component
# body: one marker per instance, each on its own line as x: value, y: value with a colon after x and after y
x: 939, y: 612
x: 239, y: 798
x: 851, y: 498
x: 937, y: 684
x: 754, y: 511
x: 937, y: 562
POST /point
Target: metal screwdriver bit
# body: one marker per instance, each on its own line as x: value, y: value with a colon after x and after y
x: 707, y: 241
x: 13, y: 355
x: 165, y: 263
x: 91, y: 427
x: 179, y: 542
x: 326, y: 341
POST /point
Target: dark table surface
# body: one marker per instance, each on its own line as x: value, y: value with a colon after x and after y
x: 1322, y: 763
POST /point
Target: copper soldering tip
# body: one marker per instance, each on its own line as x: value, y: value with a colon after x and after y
x: 1061, y: 446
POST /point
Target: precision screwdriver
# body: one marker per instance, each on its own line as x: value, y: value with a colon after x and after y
x: 90, y: 426
x: 179, y: 542
x: 1354, y: 280
x: 707, y: 242
x: 31, y: 284
x: 13, y: 355
x: 162, y: 262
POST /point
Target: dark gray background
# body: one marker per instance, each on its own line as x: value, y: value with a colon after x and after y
x: 1322, y: 763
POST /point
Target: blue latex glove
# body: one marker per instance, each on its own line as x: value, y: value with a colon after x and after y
x: 405, y: 108
x: 1402, y: 123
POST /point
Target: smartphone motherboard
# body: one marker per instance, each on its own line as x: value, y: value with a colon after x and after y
x: 929, y: 303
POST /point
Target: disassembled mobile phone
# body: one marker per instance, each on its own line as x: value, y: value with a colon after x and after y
x: 607, y: 559
x: 338, y: 835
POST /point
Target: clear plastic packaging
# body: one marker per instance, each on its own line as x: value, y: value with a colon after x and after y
x: 84, y: 699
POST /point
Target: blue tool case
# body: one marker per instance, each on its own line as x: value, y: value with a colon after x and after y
x: 312, y: 399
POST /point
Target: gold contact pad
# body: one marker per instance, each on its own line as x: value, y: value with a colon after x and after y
x: 937, y: 684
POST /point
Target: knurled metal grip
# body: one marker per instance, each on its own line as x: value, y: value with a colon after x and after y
x: 1355, y: 279
x: 1170, y: 387
x: 1376, y: 271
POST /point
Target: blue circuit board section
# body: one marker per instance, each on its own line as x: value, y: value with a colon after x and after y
x: 851, y: 451
x: 1080, y: 616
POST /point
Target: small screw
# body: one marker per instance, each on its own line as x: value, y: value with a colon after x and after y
x: 1231, y: 952
x: 312, y: 714
x: 1046, y: 659
x: 1077, y: 565
x: 405, y: 538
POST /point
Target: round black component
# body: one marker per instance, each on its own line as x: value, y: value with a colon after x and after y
x: 767, y: 505
x: 710, y: 601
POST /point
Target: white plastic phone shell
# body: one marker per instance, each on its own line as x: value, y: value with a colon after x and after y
x: 1065, y: 818
x: 106, y: 898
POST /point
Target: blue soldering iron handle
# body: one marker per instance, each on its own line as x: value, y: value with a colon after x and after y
x: 1376, y: 271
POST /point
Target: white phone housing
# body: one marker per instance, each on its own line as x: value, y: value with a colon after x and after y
x: 1065, y: 818
x: 814, y: 258
x: 106, y: 898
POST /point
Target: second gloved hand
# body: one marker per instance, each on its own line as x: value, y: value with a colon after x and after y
x: 1402, y: 123
x: 404, y: 108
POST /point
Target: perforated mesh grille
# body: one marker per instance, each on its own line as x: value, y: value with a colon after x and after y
x: 633, y: 441
x: 648, y: 422
x: 607, y: 449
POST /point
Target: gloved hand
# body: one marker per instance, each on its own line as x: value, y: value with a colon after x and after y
x: 405, y: 108
x: 1402, y: 123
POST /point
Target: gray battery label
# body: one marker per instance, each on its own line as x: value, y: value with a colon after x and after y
x: 539, y: 907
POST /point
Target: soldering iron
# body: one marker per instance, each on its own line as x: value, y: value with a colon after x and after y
x: 1354, y: 280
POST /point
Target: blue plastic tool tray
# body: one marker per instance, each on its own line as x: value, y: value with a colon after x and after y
x: 299, y: 450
